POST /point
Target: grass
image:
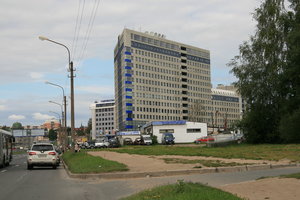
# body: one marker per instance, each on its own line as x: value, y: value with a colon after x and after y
x: 245, y: 151
x: 206, y: 163
x: 295, y: 175
x: 19, y: 152
x: 183, y: 191
x: 84, y: 163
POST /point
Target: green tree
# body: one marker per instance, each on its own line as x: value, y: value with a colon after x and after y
x: 52, y: 135
x: 17, y: 125
x: 89, y: 127
x: 291, y: 78
x: 258, y: 69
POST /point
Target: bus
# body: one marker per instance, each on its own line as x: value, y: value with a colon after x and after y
x: 6, y: 147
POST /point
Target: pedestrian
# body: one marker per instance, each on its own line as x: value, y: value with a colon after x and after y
x: 77, y: 149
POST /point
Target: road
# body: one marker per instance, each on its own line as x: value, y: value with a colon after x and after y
x: 18, y: 183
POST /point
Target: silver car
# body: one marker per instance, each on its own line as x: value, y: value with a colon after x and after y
x: 42, y: 154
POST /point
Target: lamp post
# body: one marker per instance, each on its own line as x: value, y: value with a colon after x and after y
x: 64, y: 117
x: 71, y: 70
x: 62, y: 114
x: 60, y: 141
x: 57, y: 115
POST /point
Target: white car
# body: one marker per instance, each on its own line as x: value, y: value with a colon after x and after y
x: 42, y: 154
x: 101, y: 143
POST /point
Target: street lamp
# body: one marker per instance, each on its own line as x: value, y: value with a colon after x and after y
x: 62, y: 114
x: 64, y: 117
x: 71, y: 70
x: 57, y: 115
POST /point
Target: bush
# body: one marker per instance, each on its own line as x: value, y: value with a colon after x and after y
x: 289, y: 127
x: 154, y: 139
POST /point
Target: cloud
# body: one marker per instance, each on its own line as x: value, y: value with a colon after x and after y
x: 36, y: 75
x: 2, y: 107
x: 16, y: 117
x: 40, y: 116
x: 96, y: 89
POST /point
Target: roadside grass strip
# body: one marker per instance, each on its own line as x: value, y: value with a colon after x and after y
x: 272, y: 152
x: 206, y: 163
x: 183, y: 191
x: 295, y: 175
x: 82, y: 162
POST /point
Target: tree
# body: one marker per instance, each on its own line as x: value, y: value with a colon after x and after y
x: 6, y: 128
x: 196, y: 110
x: 258, y: 69
x: 89, y: 127
x: 52, y: 135
x: 291, y: 78
x: 17, y: 125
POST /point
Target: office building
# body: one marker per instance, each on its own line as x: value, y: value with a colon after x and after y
x: 157, y: 79
x: 103, y: 117
x: 227, y: 106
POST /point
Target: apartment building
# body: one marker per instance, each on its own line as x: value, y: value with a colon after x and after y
x: 157, y: 79
x: 227, y: 106
x: 103, y: 117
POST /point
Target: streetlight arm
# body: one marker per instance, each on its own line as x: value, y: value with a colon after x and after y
x: 47, y: 82
x: 45, y: 38
x: 57, y: 104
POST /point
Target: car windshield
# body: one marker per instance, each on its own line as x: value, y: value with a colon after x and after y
x: 42, y: 148
x: 169, y: 136
x: 146, y: 138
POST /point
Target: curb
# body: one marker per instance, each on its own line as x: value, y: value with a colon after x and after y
x: 126, y: 175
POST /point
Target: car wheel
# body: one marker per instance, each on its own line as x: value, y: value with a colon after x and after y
x: 29, y: 166
x: 54, y: 166
x: 2, y: 164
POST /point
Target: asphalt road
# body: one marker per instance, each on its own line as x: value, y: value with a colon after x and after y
x: 18, y: 183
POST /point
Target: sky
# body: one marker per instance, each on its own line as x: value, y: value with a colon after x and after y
x: 89, y: 28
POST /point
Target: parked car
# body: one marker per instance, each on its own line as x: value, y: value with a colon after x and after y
x: 101, y: 143
x: 113, y: 142
x: 127, y: 141
x: 42, y: 154
x: 168, y: 138
x: 146, y: 139
x: 138, y: 141
x: 204, y: 139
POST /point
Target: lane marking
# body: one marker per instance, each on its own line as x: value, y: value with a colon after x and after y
x: 3, y: 171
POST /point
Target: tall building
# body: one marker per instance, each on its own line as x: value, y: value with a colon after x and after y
x: 103, y: 117
x: 158, y: 80
x: 227, y: 106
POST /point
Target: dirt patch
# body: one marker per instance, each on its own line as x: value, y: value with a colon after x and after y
x: 270, y: 188
x: 144, y: 163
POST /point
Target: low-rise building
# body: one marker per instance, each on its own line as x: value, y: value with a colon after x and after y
x: 183, y: 131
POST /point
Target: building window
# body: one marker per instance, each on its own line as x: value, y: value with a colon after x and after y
x: 193, y: 130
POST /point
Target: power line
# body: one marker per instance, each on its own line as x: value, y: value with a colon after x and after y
x: 77, y: 34
x: 89, y: 29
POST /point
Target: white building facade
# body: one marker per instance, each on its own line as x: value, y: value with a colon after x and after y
x: 158, y: 80
x: 227, y: 106
x: 183, y: 131
x: 103, y: 117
